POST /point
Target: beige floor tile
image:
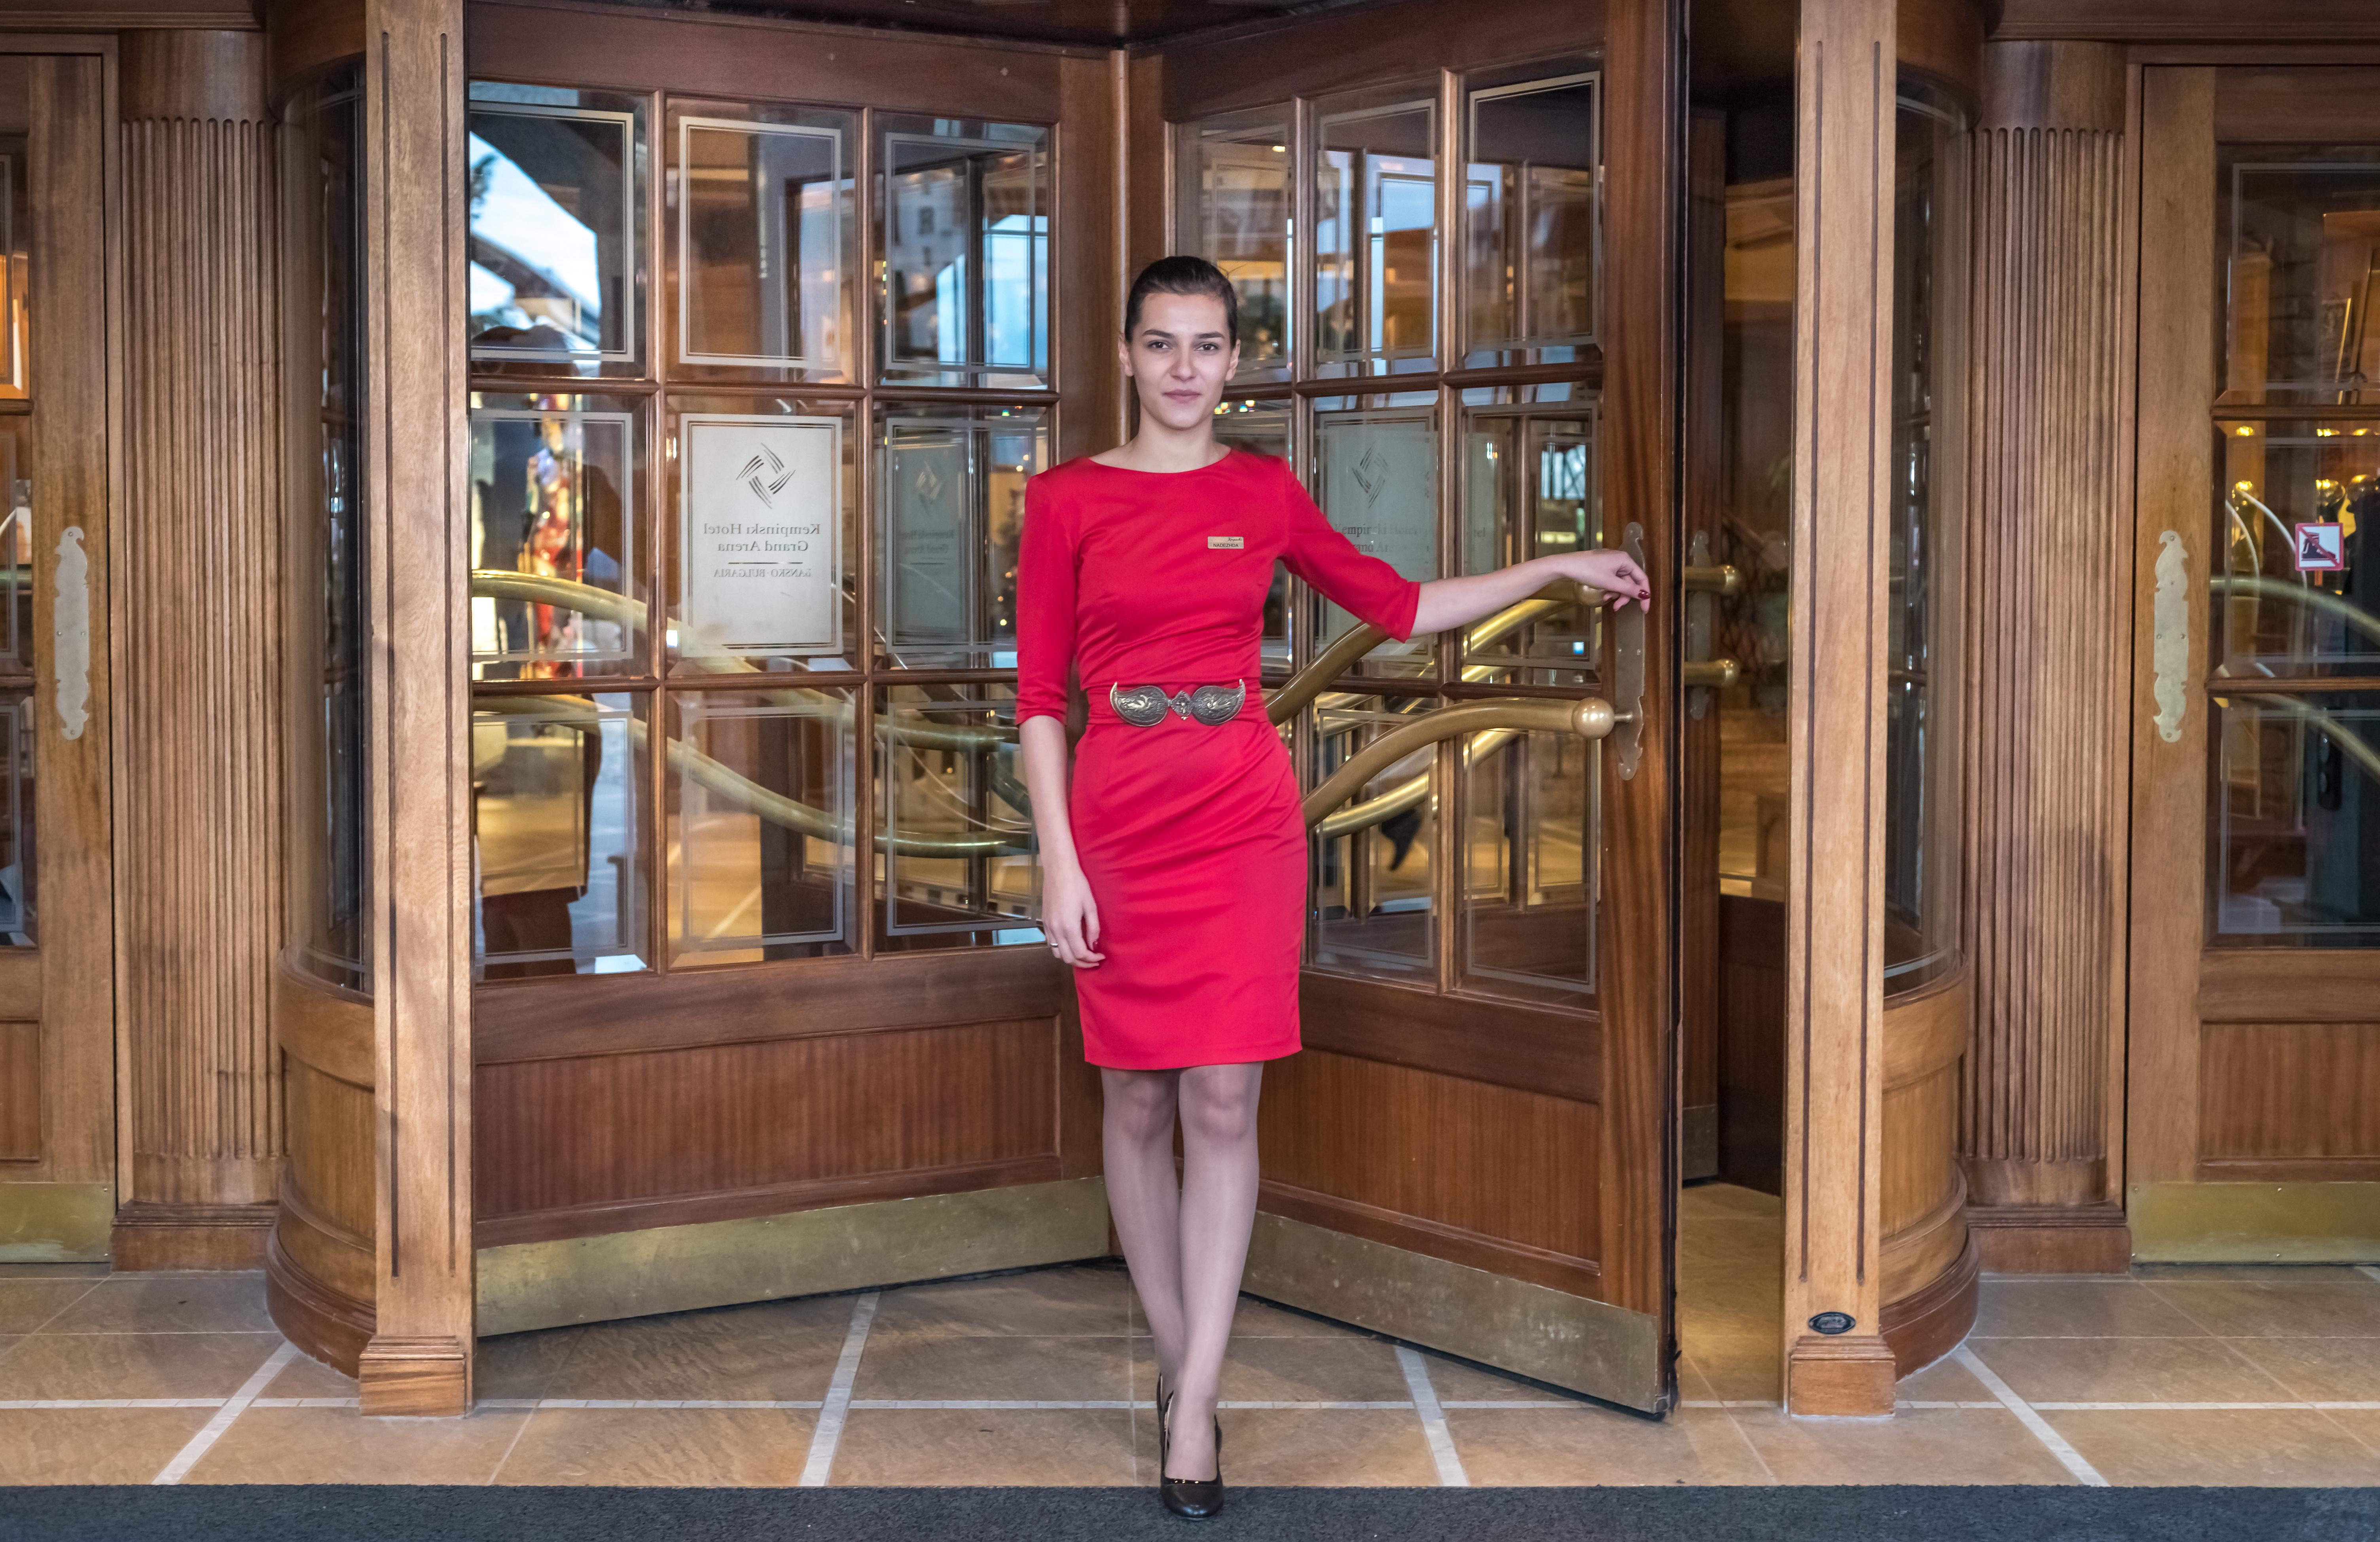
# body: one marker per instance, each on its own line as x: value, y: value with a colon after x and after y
x: 2277, y: 1310
x: 135, y: 1365
x: 972, y: 1365
x: 1262, y: 1320
x: 54, y: 1271
x: 1326, y: 1447
x: 92, y: 1445
x: 169, y: 1304
x: 2068, y: 1308
x: 1917, y: 1445
x: 26, y: 1305
x: 939, y: 1446
x: 338, y: 1445
x: 1045, y: 1303
x: 1455, y: 1381
x: 1313, y: 1370
x: 775, y: 1350
x: 2127, y: 1370
x: 308, y: 1378
x: 1698, y: 1202
x: 525, y: 1364
x: 1944, y: 1380
x: 2319, y: 1370
x: 1598, y: 1446
x: 741, y: 1448
x: 1739, y: 1368
x: 2361, y: 1423
x: 1692, y: 1383
x: 2212, y: 1447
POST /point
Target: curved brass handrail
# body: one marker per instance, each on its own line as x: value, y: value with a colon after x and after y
x: 775, y: 808
x: 2361, y: 621
x: 2362, y: 754
x: 1591, y: 717
x: 1310, y: 682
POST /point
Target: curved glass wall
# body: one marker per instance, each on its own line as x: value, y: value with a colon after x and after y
x: 1921, y: 844
x: 327, y: 769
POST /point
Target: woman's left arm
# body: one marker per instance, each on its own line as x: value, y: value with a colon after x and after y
x: 1447, y: 604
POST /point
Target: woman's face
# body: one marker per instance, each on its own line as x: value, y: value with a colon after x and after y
x: 1180, y: 354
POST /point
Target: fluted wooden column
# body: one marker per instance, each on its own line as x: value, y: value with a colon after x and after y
x: 2048, y: 608
x: 196, y: 595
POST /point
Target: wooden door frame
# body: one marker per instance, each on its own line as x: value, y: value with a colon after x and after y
x: 61, y: 1203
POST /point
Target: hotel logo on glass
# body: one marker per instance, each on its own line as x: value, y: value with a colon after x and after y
x: 760, y: 526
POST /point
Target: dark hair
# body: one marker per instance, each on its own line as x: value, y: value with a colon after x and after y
x: 1183, y: 275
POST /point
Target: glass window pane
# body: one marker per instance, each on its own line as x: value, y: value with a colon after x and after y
x: 2296, y: 859
x: 18, y: 565
x: 557, y: 784
x: 763, y: 537
x: 555, y: 181
x: 1529, y: 490
x: 1530, y: 840
x: 556, y: 592
x: 16, y: 867
x: 956, y: 861
x: 954, y: 508
x: 1375, y: 236
x: 1237, y: 197
x: 2303, y: 271
x: 1530, y: 217
x: 762, y: 233
x: 2298, y: 593
x: 16, y: 233
x: 1378, y: 469
x: 1372, y: 912
x: 759, y: 826
x: 1264, y: 427
x: 967, y: 250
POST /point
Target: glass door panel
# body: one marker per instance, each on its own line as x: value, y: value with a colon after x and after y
x: 1376, y: 461
x: 1238, y: 191
x: 557, y: 794
x: 1529, y: 490
x: 953, y: 489
x: 556, y: 246
x: 1264, y: 427
x: 1530, y: 219
x: 965, y: 211
x: 1375, y: 235
x: 955, y: 863
x: 1373, y: 910
x: 1530, y: 841
x: 557, y: 488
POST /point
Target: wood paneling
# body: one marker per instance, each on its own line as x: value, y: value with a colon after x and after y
x: 2047, y: 631
x: 417, y: 553
x: 197, y: 590
x: 574, y: 1134
x: 1923, y: 1207
x: 2266, y: 985
x: 2307, y: 1093
x: 1835, y: 883
x: 305, y: 38
x: 1094, y: 148
x: 1752, y: 1043
x: 1943, y: 39
x: 2189, y: 20
x: 1468, y: 1159
x: 21, y: 1092
x: 1504, y: 1043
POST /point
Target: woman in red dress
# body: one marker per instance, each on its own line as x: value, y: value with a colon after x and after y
x: 1174, y: 858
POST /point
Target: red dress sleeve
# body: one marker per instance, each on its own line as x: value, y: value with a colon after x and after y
x: 1361, y: 584
x: 1045, y: 604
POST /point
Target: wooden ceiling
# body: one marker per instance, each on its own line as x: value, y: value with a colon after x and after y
x: 1103, y: 23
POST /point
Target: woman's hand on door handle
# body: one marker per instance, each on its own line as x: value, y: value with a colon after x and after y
x: 1447, y: 604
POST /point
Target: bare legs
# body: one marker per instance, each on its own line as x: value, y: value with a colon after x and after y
x: 1188, y: 1243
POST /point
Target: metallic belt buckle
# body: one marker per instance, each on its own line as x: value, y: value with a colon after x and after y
x: 1214, y: 705
x: 1145, y: 706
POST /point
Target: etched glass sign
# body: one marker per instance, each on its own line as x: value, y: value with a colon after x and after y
x: 953, y: 489
x: 760, y: 526
x: 1380, y: 488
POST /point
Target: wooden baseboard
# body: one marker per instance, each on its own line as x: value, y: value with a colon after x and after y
x: 1925, y: 1325
x: 327, y: 1324
x: 1848, y: 1376
x: 147, y: 1237
x: 425, y: 1378
x: 2051, y: 1239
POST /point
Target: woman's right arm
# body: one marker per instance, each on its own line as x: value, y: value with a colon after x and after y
x: 1045, y: 657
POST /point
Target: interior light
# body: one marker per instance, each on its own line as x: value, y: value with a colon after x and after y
x: 2242, y: 486
x: 2244, y: 431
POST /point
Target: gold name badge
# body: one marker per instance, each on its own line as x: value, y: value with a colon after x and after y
x: 1226, y: 543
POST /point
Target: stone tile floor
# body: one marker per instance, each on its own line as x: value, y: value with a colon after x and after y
x: 2167, y: 1374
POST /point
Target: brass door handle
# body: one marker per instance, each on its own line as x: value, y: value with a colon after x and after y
x: 1590, y: 718
x: 1721, y: 672
x: 1723, y: 580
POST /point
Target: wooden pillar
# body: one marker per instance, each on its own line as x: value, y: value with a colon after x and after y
x: 418, y: 571
x: 195, y: 591
x: 1836, y: 1360
x: 2049, y: 638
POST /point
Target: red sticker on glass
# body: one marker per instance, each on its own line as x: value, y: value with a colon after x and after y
x: 2322, y: 548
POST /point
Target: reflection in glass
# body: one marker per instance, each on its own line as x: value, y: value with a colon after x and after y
x: 966, y: 250
x: 17, y: 865
x: 2297, y: 828
x: 1263, y: 428
x: 329, y: 852
x: 1237, y: 191
x: 759, y: 826
x: 1375, y: 235
x: 553, y: 224
x: 17, y: 563
x: 1371, y: 911
x: 1379, y: 471
x: 2303, y: 273
x: 953, y: 491
x: 16, y: 232
x: 955, y: 862
x: 556, y: 784
x: 762, y: 211
x: 1529, y: 490
x: 1529, y: 216
x: 1529, y: 844
x: 2300, y: 504
x: 551, y: 491
x: 1921, y: 835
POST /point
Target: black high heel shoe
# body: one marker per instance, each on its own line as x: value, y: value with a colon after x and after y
x: 1193, y: 1499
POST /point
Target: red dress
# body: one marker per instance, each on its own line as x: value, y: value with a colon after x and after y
x: 1190, y: 834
